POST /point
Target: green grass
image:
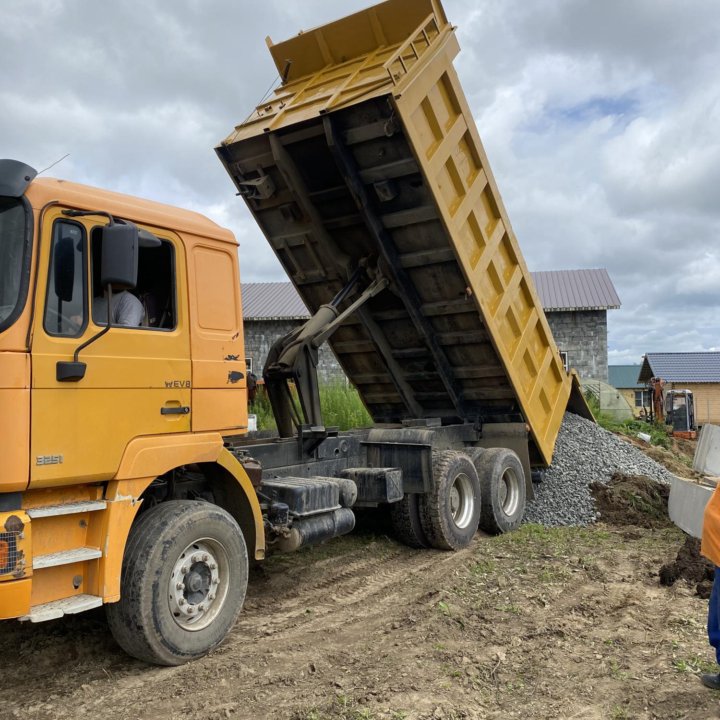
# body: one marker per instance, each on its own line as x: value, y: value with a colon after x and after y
x: 694, y: 664
x: 341, y: 408
x: 261, y: 408
x: 344, y: 707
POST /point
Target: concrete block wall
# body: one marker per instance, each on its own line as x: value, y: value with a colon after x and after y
x: 582, y: 334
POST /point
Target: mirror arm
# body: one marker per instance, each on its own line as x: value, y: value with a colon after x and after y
x: 84, y: 213
x: 75, y: 370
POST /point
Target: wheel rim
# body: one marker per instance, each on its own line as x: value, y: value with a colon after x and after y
x: 462, y: 501
x: 199, y: 584
x: 509, y: 492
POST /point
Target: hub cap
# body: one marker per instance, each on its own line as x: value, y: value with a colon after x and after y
x: 509, y: 492
x: 199, y: 584
x: 462, y: 501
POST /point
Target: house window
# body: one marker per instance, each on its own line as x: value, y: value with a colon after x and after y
x: 249, y: 365
x: 642, y: 398
x: 564, y: 360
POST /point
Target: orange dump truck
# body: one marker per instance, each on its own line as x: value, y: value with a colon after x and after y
x: 131, y: 479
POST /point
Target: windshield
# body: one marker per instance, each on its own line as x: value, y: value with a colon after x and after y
x: 14, y: 257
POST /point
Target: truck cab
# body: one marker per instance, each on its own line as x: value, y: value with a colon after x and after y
x: 97, y: 418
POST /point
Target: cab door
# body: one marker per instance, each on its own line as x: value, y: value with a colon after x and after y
x: 137, y: 380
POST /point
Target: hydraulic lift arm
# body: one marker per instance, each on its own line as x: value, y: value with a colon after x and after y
x: 294, y: 357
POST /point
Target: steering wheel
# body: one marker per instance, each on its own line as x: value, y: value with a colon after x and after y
x: 67, y: 322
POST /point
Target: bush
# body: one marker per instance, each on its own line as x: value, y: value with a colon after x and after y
x: 341, y: 406
x: 657, y: 431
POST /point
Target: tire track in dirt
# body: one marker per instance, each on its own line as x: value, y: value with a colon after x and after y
x: 294, y: 602
x: 390, y: 576
x: 568, y: 636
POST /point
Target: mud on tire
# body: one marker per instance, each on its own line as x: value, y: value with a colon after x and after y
x: 502, y: 483
x: 405, y: 519
x: 183, y: 583
x: 450, y: 512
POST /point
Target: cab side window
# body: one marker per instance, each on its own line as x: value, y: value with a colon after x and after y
x: 152, y: 304
x: 66, y: 302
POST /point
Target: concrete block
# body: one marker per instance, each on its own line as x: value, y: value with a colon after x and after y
x: 687, y: 504
x: 707, y: 453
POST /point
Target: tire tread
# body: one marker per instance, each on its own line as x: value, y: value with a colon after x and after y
x: 130, y: 619
x: 436, y: 523
x: 405, y: 519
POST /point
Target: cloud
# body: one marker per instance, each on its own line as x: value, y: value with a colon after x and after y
x: 600, y: 121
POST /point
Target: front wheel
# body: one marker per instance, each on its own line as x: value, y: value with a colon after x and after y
x: 183, y: 583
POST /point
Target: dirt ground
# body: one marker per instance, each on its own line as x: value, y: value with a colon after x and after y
x: 632, y: 500
x: 540, y: 623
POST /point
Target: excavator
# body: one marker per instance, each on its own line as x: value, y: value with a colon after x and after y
x: 675, y: 407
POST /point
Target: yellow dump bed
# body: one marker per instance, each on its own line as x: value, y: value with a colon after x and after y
x: 367, y: 155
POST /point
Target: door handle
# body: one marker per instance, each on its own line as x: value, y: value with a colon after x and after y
x: 179, y: 410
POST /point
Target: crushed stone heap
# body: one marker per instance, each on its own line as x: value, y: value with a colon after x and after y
x: 585, y: 453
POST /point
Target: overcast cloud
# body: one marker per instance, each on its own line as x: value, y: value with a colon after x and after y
x: 601, y: 121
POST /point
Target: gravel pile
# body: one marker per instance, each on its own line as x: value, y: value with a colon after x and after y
x: 584, y: 453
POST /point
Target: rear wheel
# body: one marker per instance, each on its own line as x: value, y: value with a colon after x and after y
x: 449, y: 513
x: 183, y: 583
x: 405, y: 519
x: 502, y: 481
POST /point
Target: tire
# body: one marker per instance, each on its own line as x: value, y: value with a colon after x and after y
x: 502, y: 483
x: 405, y: 519
x: 183, y: 583
x: 450, y: 512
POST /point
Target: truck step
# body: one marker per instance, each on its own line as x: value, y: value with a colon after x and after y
x: 65, y: 557
x: 66, y: 509
x: 58, y: 608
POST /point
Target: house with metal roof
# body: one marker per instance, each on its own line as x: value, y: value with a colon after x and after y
x: 625, y: 379
x: 575, y: 302
x: 270, y: 311
x: 696, y: 371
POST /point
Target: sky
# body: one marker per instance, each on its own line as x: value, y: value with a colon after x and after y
x: 601, y: 121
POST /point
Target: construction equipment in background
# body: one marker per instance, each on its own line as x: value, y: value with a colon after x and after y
x: 657, y: 399
x: 680, y: 414
x: 675, y: 408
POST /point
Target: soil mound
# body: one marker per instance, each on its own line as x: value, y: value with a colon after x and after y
x: 632, y: 500
x: 691, y: 566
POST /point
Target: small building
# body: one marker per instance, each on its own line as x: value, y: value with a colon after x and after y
x: 576, y: 304
x: 575, y: 301
x: 625, y: 379
x: 696, y: 371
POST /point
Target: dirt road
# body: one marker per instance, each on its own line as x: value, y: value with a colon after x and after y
x: 563, y: 623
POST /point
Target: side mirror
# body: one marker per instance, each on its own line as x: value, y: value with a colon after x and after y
x: 119, y: 264
x: 64, y: 268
